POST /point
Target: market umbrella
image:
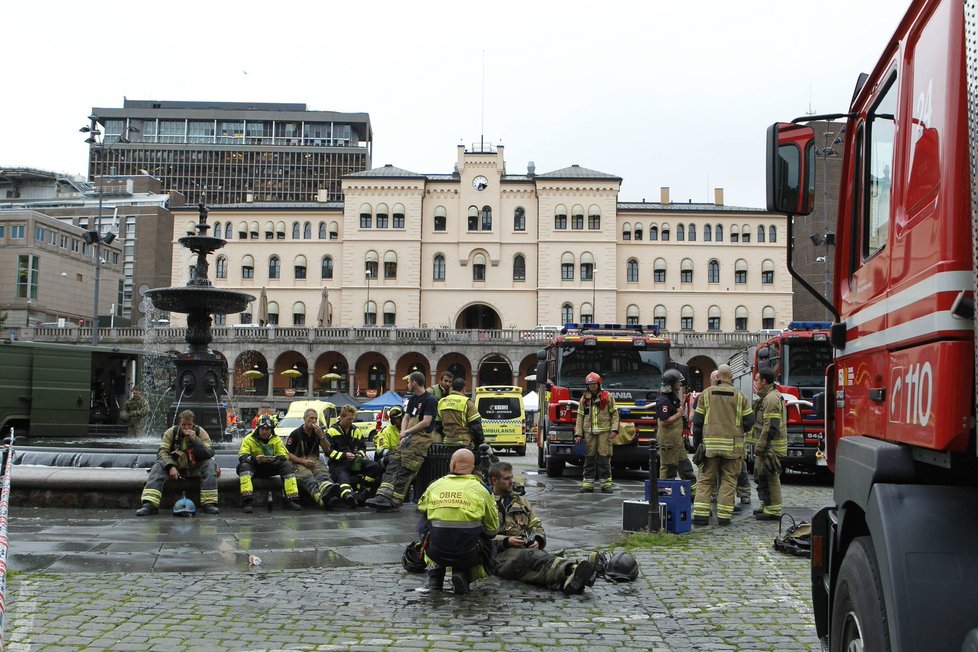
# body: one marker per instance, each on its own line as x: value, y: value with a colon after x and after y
x: 262, y: 316
x: 253, y: 374
x: 325, y: 317
x: 332, y: 376
x: 291, y: 373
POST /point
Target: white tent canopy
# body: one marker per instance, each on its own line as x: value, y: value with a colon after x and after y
x: 531, y: 402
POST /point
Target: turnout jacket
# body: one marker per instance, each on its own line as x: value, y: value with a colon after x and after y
x: 721, y: 418
x: 343, y: 443
x: 517, y: 520
x: 252, y: 446
x: 389, y: 437
x: 459, y: 417
x: 596, y: 415
x: 178, y: 451
x: 771, y: 426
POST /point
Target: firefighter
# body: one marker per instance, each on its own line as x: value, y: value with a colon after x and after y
x: 440, y: 391
x: 770, y: 445
x: 673, y: 457
x: 304, y: 445
x: 348, y: 463
x: 460, y: 520
x: 416, y: 427
x: 597, y: 425
x: 722, y: 416
x: 137, y: 411
x: 743, y: 479
x: 263, y: 455
x: 184, y: 451
x: 461, y: 421
x: 521, y: 540
x: 388, y: 438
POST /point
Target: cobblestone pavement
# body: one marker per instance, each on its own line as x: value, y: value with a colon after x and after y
x: 713, y: 589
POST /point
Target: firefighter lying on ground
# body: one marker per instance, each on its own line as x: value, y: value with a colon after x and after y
x: 263, y: 455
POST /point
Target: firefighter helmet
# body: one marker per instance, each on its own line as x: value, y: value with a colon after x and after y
x: 265, y: 421
x: 622, y: 567
x: 669, y: 378
x: 184, y: 507
x: 395, y: 413
x: 592, y: 377
x: 413, y: 558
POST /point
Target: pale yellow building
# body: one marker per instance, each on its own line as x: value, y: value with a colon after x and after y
x: 482, y: 248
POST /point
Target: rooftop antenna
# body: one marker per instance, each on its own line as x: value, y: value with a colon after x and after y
x: 482, y: 123
x: 811, y: 111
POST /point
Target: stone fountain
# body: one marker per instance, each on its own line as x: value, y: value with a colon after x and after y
x: 200, y: 373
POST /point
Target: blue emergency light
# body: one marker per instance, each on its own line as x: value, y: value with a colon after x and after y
x: 809, y: 325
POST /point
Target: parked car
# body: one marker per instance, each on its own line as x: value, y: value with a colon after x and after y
x: 293, y: 417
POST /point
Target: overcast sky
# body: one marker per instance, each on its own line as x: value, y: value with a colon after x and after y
x: 671, y: 94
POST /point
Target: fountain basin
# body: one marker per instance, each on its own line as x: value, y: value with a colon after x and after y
x: 208, y: 300
x: 202, y: 243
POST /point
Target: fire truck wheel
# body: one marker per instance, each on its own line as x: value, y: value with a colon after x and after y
x: 555, y: 468
x: 540, y: 463
x: 859, y: 614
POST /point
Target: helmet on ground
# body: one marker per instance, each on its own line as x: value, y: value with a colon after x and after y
x: 395, y: 413
x: 265, y: 421
x: 413, y: 558
x: 669, y: 378
x: 184, y: 507
x: 592, y: 377
x: 622, y: 567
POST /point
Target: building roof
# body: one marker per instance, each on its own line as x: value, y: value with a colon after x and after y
x: 577, y: 172
x: 678, y: 207
x: 265, y: 205
x: 386, y: 172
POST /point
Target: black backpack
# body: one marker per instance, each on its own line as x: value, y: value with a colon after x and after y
x: 795, y: 539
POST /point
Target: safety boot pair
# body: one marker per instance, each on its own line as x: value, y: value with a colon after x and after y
x: 577, y: 580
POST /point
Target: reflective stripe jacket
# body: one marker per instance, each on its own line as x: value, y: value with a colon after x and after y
x: 518, y: 520
x: 177, y: 450
x: 772, y: 423
x: 389, y: 437
x: 253, y: 446
x: 343, y: 443
x: 722, y: 414
x: 460, y: 499
x: 456, y: 412
x: 596, y: 415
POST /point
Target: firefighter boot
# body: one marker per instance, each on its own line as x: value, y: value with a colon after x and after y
x: 460, y: 582
x: 147, y: 509
x: 436, y: 579
x: 577, y: 580
x: 246, y: 505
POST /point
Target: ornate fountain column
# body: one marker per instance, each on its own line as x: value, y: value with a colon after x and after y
x: 200, y: 372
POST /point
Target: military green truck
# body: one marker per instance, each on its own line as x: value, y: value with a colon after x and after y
x: 64, y: 390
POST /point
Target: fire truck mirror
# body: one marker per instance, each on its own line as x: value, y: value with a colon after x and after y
x: 790, y: 168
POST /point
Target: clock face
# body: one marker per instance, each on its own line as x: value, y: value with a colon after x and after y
x: 480, y: 183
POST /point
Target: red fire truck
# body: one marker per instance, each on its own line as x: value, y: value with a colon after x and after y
x: 799, y: 357
x: 895, y: 559
x: 631, y: 361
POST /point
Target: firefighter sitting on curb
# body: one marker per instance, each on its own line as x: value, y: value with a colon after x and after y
x: 770, y: 445
x: 673, y: 457
x: 304, y: 445
x: 461, y: 422
x: 348, y: 463
x: 597, y: 424
x: 460, y: 520
x: 185, y: 451
x: 388, y: 438
x: 521, y: 540
x: 263, y: 455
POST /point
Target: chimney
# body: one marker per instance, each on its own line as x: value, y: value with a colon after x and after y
x: 718, y: 196
x: 664, y: 194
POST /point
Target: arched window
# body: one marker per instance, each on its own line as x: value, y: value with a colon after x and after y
x: 479, y: 268
x: 227, y: 231
x: 300, y: 266
x: 327, y: 267
x: 718, y: 233
x: 707, y: 233
x: 631, y: 271
x: 767, y: 272
x: 659, y: 270
x: 382, y: 216
x: 247, y: 266
x: 322, y: 230
x: 567, y: 266
x: 519, y: 219
x: 626, y: 231
x: 242, y: 230
x: 567, y: 314
x: 653, y: 233
x: 631, y: 315
x: 366, y: 216
x: 686, y: 271
x: 190, y: 230
x: 473, y: 218
x: 637, y: 231
x: 274, y: 267
x: 593, y: 218
x: 486, y: 218
x: 734, y: 233
x: 587, y: 313
x: 587, y: 266
x: 665, y: 233
x: 680, y: 233
x: 438, y: 268
x: 740, y: 318
x: 441, y: 219
x: 370, y: 313
x: 371, y: 261
x: 280, y: 230
x: 691, y: 233
x: 740, y: 272
x: 295, y: 231
x: 713, y: 319
x: 397, y: 221
x: 519, y: 268
x: 713, y: 271
x: 659, y: 316
x: 269, y: 231
x: 686, y: 318
x: 767, y: 317
x: 221, y: 267
x: 253, y: 231
x: 334, y: 231
x: 217, y: 229
x: 390, y: 264
x: 298, y: 314
x: 577, y: 217
x: 560, y: 218
x: 273, y: 313
x: 772, y: 234
x: 390, y: 313
x: 760, y: 233
x: 307, y: 231
x: 745, y: 233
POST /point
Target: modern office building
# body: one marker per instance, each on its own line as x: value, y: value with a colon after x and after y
x: 240, y: 152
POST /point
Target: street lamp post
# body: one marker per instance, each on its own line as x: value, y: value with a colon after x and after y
x: 367, y: 307
x: 594, y: 286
